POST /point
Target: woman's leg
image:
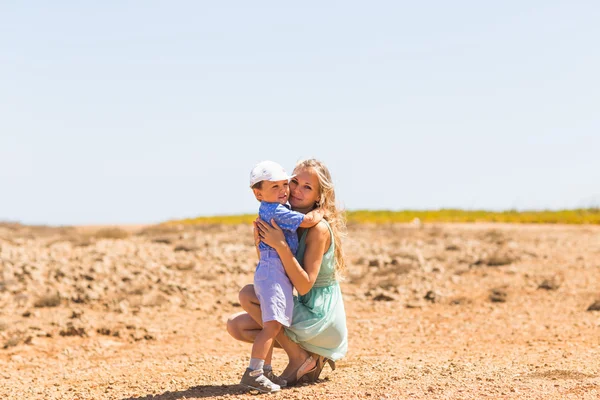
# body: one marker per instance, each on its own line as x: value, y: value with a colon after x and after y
x: 296, y: 355
x: 250, y: 303
x: 242, y: 327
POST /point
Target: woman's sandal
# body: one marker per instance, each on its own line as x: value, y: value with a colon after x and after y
x: 296, y: 377
x: 321, y: 361
x: 331, y: 364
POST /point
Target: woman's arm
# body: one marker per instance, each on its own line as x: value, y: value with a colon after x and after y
x: 256, y: 239
x: 303, y: 279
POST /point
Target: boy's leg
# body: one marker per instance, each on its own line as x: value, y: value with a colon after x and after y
x: 254, y: 377
x: 268, y: 367
x: 265, y: 339
x: 269, y: 357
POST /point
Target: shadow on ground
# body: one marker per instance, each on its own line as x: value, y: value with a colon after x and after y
x: 195, y: 392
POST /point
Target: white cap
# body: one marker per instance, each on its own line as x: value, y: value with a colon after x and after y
x: 268, y: 171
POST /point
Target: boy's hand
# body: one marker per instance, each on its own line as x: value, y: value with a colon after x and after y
x: 319, y: 213
x: 313, y: 218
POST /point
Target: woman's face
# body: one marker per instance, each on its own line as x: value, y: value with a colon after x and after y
x: 304, y: 189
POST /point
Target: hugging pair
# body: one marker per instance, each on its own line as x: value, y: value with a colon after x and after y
x: 299, y: 247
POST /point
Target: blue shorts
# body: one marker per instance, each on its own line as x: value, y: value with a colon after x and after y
x: 273, y: 289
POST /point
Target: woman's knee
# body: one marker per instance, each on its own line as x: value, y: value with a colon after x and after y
x: 247, y: 296
x: 233, y: 326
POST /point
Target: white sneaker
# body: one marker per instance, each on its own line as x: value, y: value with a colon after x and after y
x: 275, y: 379
x: 256, y: 379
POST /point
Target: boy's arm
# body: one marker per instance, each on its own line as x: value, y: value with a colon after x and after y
x: 312, y: 218
x: 287, y: 219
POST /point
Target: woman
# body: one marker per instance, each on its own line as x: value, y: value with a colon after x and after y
x: 318, y: 332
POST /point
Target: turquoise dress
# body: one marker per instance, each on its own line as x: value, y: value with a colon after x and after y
x: 319, y: 318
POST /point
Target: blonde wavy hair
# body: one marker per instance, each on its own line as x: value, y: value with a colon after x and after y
x: 333, y: 215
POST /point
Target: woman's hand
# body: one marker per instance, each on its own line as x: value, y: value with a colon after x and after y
x: 270, y: 235
x: 255, y: 230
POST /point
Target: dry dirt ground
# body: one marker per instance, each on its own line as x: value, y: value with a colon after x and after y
x: 434, y: 312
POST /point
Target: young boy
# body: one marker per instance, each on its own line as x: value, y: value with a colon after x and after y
x: 270, y: 184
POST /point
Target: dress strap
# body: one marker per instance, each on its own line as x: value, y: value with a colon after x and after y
x: 331, y: 245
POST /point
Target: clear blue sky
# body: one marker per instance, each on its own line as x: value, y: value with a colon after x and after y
x: 142, y: 111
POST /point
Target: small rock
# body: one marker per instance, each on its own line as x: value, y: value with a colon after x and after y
x: 499, y: 259
x: 431, y: 296
x: 183, y: 247
x: 549, y: 284
x: 49, y: 300
x: 379, y: 294
x: 459, y: 300
x: 107, y: 332
x: 162, y: 240
x: 71, y: 330
x: 595, y: 306
x: 498, y: 296
x: 383, y: 297
x: 80, y: 299
x: 12, y: 341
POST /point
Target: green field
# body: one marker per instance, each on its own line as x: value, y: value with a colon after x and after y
x: 575, y: 216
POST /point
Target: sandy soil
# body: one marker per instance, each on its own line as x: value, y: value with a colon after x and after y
x: 436, y: 312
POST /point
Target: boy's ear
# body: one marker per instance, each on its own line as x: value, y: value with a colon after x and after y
x: 257, y: 194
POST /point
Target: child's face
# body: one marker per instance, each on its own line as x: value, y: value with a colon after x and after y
x: 273, y: 192
x: 304, y: 188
